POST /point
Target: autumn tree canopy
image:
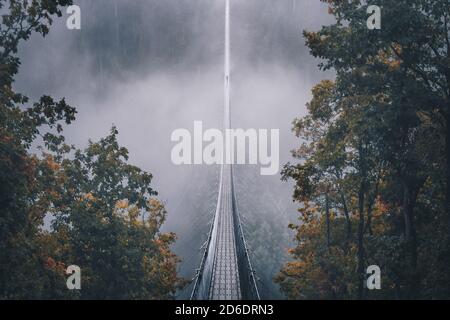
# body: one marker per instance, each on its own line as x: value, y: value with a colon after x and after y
x: 105, y: 216
x: 373, y: 176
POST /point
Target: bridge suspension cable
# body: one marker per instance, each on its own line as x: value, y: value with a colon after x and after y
x: 225, y: 271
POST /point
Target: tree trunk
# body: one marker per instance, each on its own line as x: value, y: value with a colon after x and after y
x: 347, y: 217
x: 361, y: 204
x: 370, y: 205
x: 447, y: 144
x: 447, y: 169
x: 361, y: 197
x: 369, y: 219
x: 409, y: 203
x: 447, y: 192
x: 327, y: 213
x: 447, y: 154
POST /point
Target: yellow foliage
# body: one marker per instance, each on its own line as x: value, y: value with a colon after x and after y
x: 122, y: 204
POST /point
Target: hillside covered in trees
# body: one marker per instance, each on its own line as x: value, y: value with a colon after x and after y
x: 104, y: 213
x: 373, y: 170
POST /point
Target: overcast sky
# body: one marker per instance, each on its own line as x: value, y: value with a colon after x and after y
x: 153, y: 66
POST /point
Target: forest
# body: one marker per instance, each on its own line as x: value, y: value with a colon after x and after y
x: 371, y: 174
x: 105, y: 214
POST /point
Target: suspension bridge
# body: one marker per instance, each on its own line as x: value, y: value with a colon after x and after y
x: 225, y: 271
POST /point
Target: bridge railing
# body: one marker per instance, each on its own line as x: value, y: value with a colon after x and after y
x: 204, y: 273
x: 247, y: 274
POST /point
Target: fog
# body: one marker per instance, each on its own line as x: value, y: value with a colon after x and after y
x: 150, y: 67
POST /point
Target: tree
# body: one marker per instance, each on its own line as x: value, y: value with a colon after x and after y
x: 22, y: 174
x: 106, y: 217
x: 109, y: 218
x: 388, y: 101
